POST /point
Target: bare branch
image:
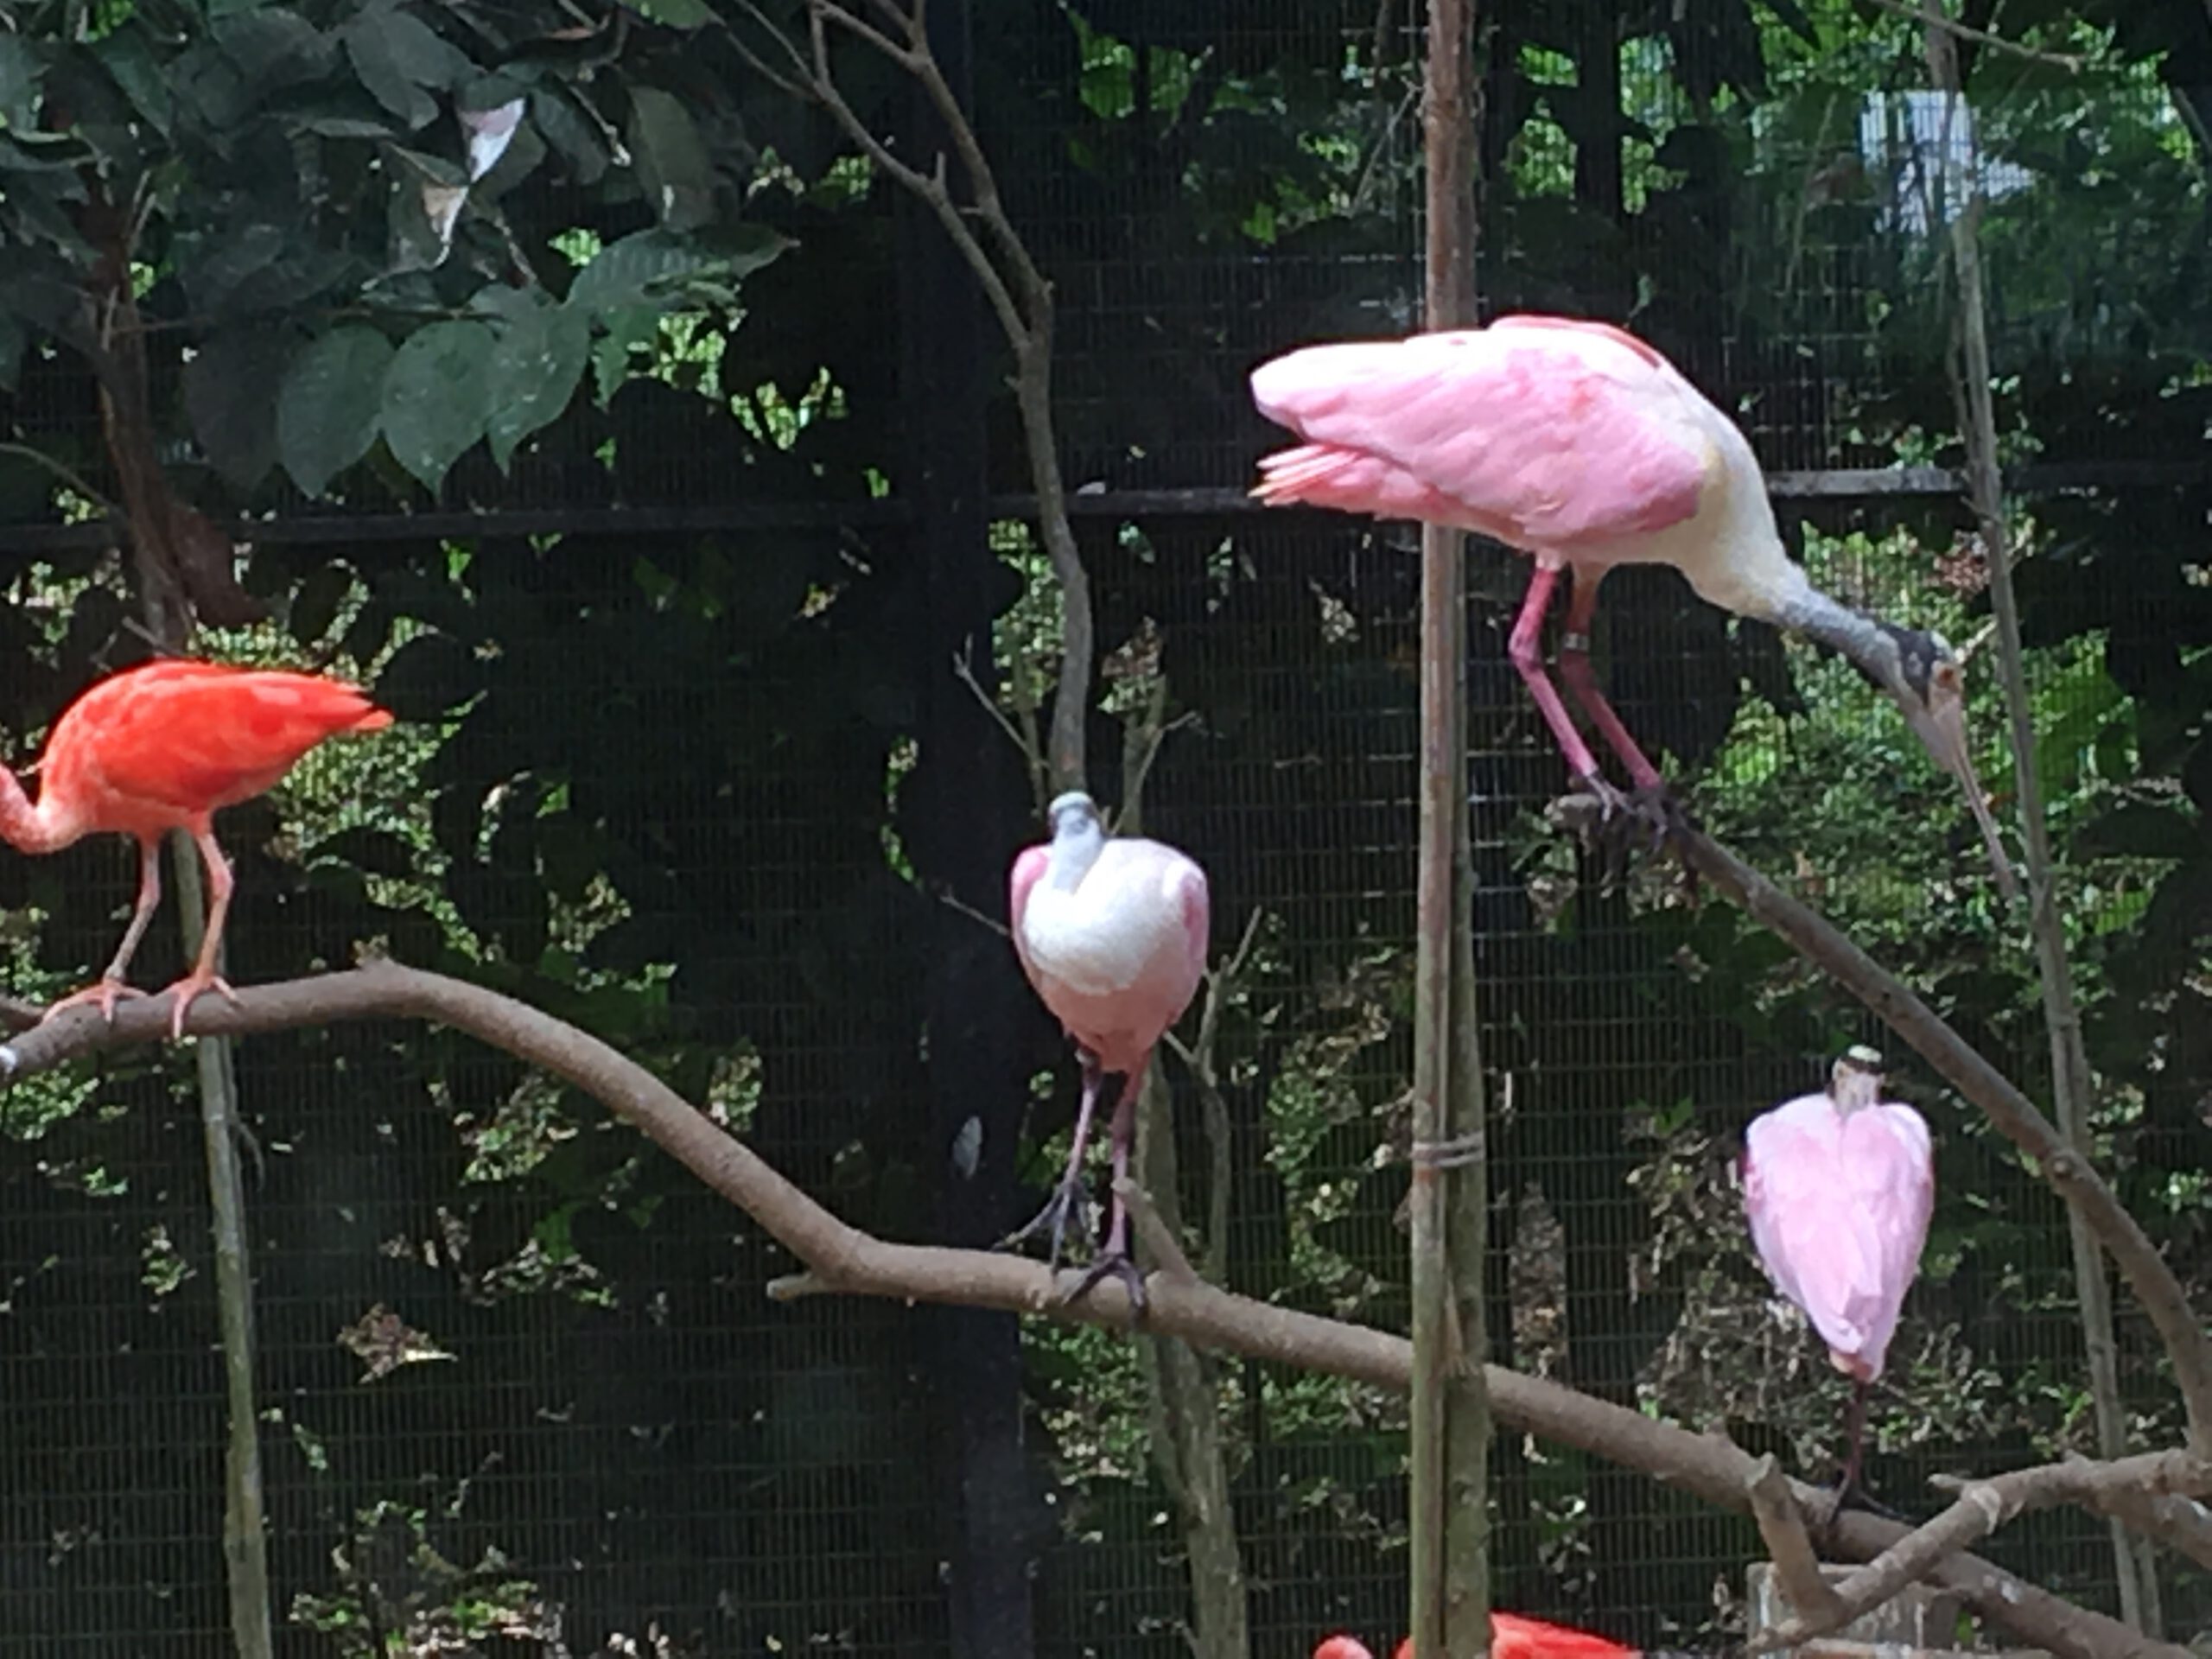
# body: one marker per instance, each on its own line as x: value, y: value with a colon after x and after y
x: 963, y: 669
x: 1019, y: 296
x: 1982, y: 1507
x: 1157, y: 1236
x: 2187, y: 1344
x: 2070, y: 61
x: 953, y: 901
x: 1775, y: 1507
x: 835, y: 1258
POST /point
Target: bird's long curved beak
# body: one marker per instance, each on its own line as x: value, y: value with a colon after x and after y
x: 1941, y: 725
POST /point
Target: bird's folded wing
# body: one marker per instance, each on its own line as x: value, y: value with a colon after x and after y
x: 1559, y: 433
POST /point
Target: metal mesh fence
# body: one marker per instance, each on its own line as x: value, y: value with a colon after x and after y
x: 521, y: 1389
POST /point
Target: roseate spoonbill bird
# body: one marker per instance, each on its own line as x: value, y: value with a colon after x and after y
x: 1580, y: 444
x: 162, y: 746
x: 1511, y: 1636
x: 1112, y: 933
x: 1839, y: 1188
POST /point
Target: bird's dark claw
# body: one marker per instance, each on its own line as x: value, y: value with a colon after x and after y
x: 1620, y: 827
x: 1116, y: 1263
x: 1068, y: 1200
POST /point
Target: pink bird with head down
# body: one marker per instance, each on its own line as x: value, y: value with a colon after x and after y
x: 1511, y: 1636
x: 1839, y: 1188
x: 1580, y: 444
x: 1112, y: 933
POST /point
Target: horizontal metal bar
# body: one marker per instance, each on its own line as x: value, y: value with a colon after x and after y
x: 1842, y: 484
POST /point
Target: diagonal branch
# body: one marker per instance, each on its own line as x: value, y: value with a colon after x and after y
x: 1982, y: 1507
x: 2187, y: 1344
x: 840, y: 1259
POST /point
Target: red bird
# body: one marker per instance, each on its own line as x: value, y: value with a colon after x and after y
x: 1511, y: 1636
x: 163, y: 747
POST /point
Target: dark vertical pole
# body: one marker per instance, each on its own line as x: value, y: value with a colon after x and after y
x: 965, y: 804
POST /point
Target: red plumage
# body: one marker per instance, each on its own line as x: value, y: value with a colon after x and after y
x: 165, y: 745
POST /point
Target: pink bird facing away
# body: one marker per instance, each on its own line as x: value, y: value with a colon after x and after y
x: 1839, y: 1188
x: 1112, y: 933
x: 1511, y: 1636
x: 1578, y: 443
x: 164, y: 746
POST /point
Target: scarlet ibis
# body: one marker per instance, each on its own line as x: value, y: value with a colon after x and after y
x: 1112, y: 933
x: 1580, y: 444
x: 1838, y: 1187
x: 1511, y: 1636
x: 164, y: 746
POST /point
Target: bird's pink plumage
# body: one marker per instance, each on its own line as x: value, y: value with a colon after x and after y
x: 1122, y: 1024
x: 1839, y: 1205
x: 1548, y: 434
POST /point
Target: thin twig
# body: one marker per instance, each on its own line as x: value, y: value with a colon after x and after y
x: 66, y: 473
x: 952, y: 900
x: 963, y: 669
x: 833, y: 1258
x: 2071, y: 62
x: 2070, y: 1082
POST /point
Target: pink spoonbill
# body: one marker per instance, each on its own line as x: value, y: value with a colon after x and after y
x: 1578, y: 443
x: 1112, y: 932
x: 1838, y: 1187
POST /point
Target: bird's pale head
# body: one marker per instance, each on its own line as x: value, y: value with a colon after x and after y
x: 1924, y: 678
x: 1072, y: 814
x: 1855, y: 1081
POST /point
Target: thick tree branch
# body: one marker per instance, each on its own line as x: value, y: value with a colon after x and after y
x: 839, y: 1258
x: 1982, y: 1507
x: 1788, y: 1544
x: 2189, y: 1344
x: 1020, y: 295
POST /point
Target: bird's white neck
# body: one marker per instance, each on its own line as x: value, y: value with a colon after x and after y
x: 1075, y: 849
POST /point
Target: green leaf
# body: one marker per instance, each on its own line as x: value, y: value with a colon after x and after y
x: 229, y: 393
x: 13, y: 339
x: 436, y: 397
x: 369, y: 50
x: 652, y: 267
x: 671, y: 159
x: 20, y: 71
x: 379, y: 852
x: 677, y: 14
x: 130, y: 64
x: 270, y: 47
x: 629, y: 329
x: 431, y: 675
x: 423, y: 54
x: 535, y: 368
x: 331, y: 404
x: 555, y: 112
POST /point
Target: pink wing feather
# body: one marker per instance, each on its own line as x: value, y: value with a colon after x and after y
x: 1543, y: 432
x: 1028, y: 870
x: 1838, y: 1211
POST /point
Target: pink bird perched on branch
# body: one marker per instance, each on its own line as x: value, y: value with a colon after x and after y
x: 164, y: 746
x: 1112, y: 933
x: 1580, y: 444
x: 1839, y: 1188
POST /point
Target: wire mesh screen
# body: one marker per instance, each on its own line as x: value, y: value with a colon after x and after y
x: 689, y: 788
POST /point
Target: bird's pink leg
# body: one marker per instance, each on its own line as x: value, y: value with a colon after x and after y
x: 1526, y: 649
x: 1067, y: 1198
x: 1115, y: 1258
x: 203, y: 978
x: 1574, y: 669
x: 111, y: 988
x: 1855, y: 1431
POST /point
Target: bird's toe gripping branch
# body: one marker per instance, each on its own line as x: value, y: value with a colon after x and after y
x: 1623, y: 827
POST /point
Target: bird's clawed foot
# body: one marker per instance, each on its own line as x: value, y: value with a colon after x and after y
x: 1623, y: 826
x: 1117, y: 1263
x: 190, y: 989
x: 1850, y: 1493
x: 1069, y: 1200
x: 105, y: 996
